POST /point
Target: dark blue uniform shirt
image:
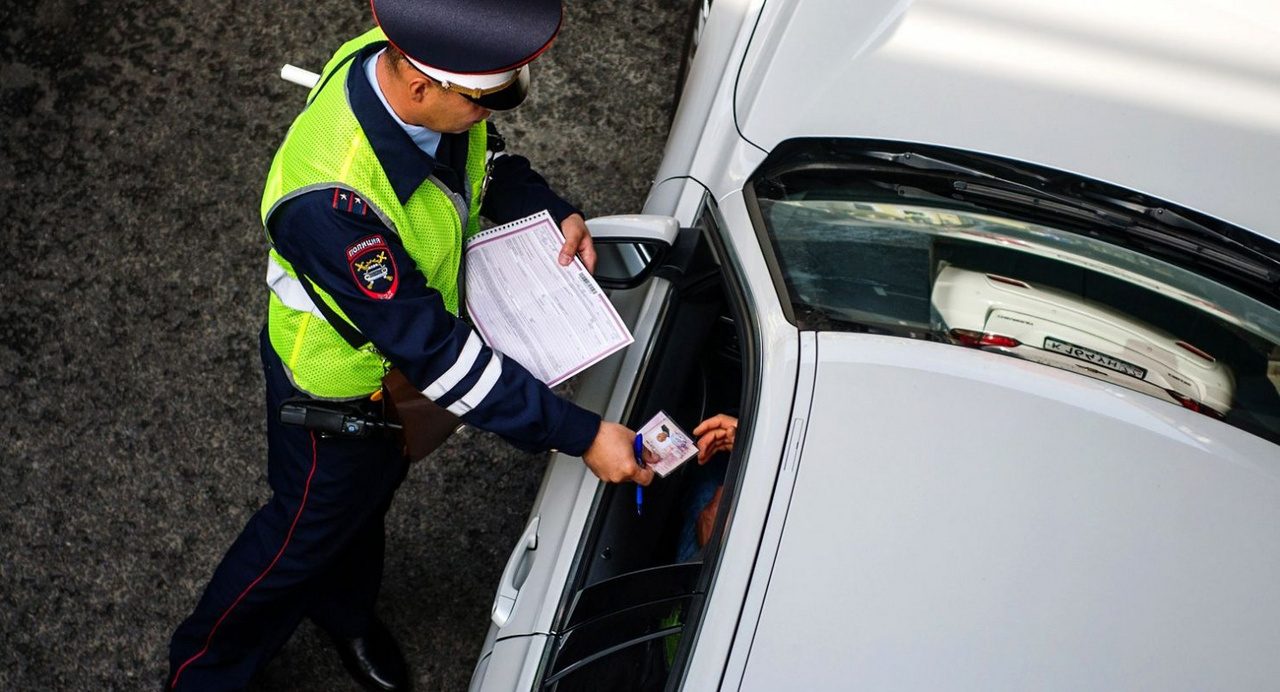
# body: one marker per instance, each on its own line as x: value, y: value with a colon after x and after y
x: 437, y: 351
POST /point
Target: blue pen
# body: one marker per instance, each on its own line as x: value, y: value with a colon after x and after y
x: 640, y: 461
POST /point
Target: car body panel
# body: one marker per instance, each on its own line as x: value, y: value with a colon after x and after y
x: 760, y: 449
x: 1073, y: 86
x: 928, y: 545
x: 568, y: 490
x: 775, y: 521
x: 705, y: 143
x: 509, y: 664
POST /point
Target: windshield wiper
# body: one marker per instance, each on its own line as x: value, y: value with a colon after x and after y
x: 1055, y: 204
x: 874, y: 170
x: 1157, y: 228
x: 926, y: 163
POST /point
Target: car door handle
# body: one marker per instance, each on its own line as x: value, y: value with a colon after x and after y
x: 514, y: 575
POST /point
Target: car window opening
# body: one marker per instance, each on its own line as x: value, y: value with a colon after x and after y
x: 642, y: 579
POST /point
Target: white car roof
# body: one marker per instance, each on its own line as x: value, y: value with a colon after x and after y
x: 962, y: 520
x: 1179, y: 99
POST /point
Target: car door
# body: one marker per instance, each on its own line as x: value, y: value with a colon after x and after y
x: 529, y: 595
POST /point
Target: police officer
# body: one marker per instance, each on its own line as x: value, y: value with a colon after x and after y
x: 367, y: 203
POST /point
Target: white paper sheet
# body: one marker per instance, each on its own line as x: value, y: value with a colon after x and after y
x: 553, y: 320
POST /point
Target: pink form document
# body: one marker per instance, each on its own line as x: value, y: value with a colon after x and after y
x: 555, y: 321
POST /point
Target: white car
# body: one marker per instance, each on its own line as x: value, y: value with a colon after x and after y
x: 900, y: 511
x: 1058, y: 328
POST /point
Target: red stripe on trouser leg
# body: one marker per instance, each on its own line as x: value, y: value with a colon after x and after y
x: 305, y: 491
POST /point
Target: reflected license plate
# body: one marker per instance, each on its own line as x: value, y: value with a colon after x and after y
x: 1091, y: 356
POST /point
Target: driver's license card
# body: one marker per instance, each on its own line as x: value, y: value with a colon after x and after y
x: 668, y: 442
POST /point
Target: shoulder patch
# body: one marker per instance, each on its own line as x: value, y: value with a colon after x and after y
x: 348, y: 201
x: 373, y: 268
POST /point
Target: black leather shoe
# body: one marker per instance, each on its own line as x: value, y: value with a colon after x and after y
x: 374, y: 660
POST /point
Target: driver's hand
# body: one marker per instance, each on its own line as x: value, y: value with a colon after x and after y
x: 612, y: 456
x: 715, y: 434
x: 707, y: 518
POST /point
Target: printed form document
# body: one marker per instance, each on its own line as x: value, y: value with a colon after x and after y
x: 553, y: 320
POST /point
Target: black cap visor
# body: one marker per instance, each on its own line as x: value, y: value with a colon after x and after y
x: 507, y: 97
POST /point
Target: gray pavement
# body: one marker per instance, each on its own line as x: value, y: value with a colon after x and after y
x: 134, y: 140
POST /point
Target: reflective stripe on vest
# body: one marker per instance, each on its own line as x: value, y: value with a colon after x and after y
x: 326, y: 148
x: 289, y: 289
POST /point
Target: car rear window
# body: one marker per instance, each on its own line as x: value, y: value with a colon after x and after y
x: 1059, y: 273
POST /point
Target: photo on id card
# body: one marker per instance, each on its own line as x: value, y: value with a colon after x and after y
x: 668, y: 442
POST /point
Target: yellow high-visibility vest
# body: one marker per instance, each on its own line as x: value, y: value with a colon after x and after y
x: 326, y: 148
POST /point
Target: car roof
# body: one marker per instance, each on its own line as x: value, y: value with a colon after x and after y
x: 1178, y: 99
x: 962, y: 520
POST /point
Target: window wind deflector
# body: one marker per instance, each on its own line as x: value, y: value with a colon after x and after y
x: 626, y: 590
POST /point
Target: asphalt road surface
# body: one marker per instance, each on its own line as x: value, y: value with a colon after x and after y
x: 134, y: 138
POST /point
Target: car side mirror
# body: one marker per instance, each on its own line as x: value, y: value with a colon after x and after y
x: 629, y: 247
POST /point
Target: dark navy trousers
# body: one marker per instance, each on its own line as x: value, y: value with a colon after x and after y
x: 314, y: 550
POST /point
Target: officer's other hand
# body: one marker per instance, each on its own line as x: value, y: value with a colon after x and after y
x: 612, y: 457
x: 577, y: 241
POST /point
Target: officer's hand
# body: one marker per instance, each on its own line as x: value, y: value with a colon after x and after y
x: 612, y: 456
x: 577, y: 241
